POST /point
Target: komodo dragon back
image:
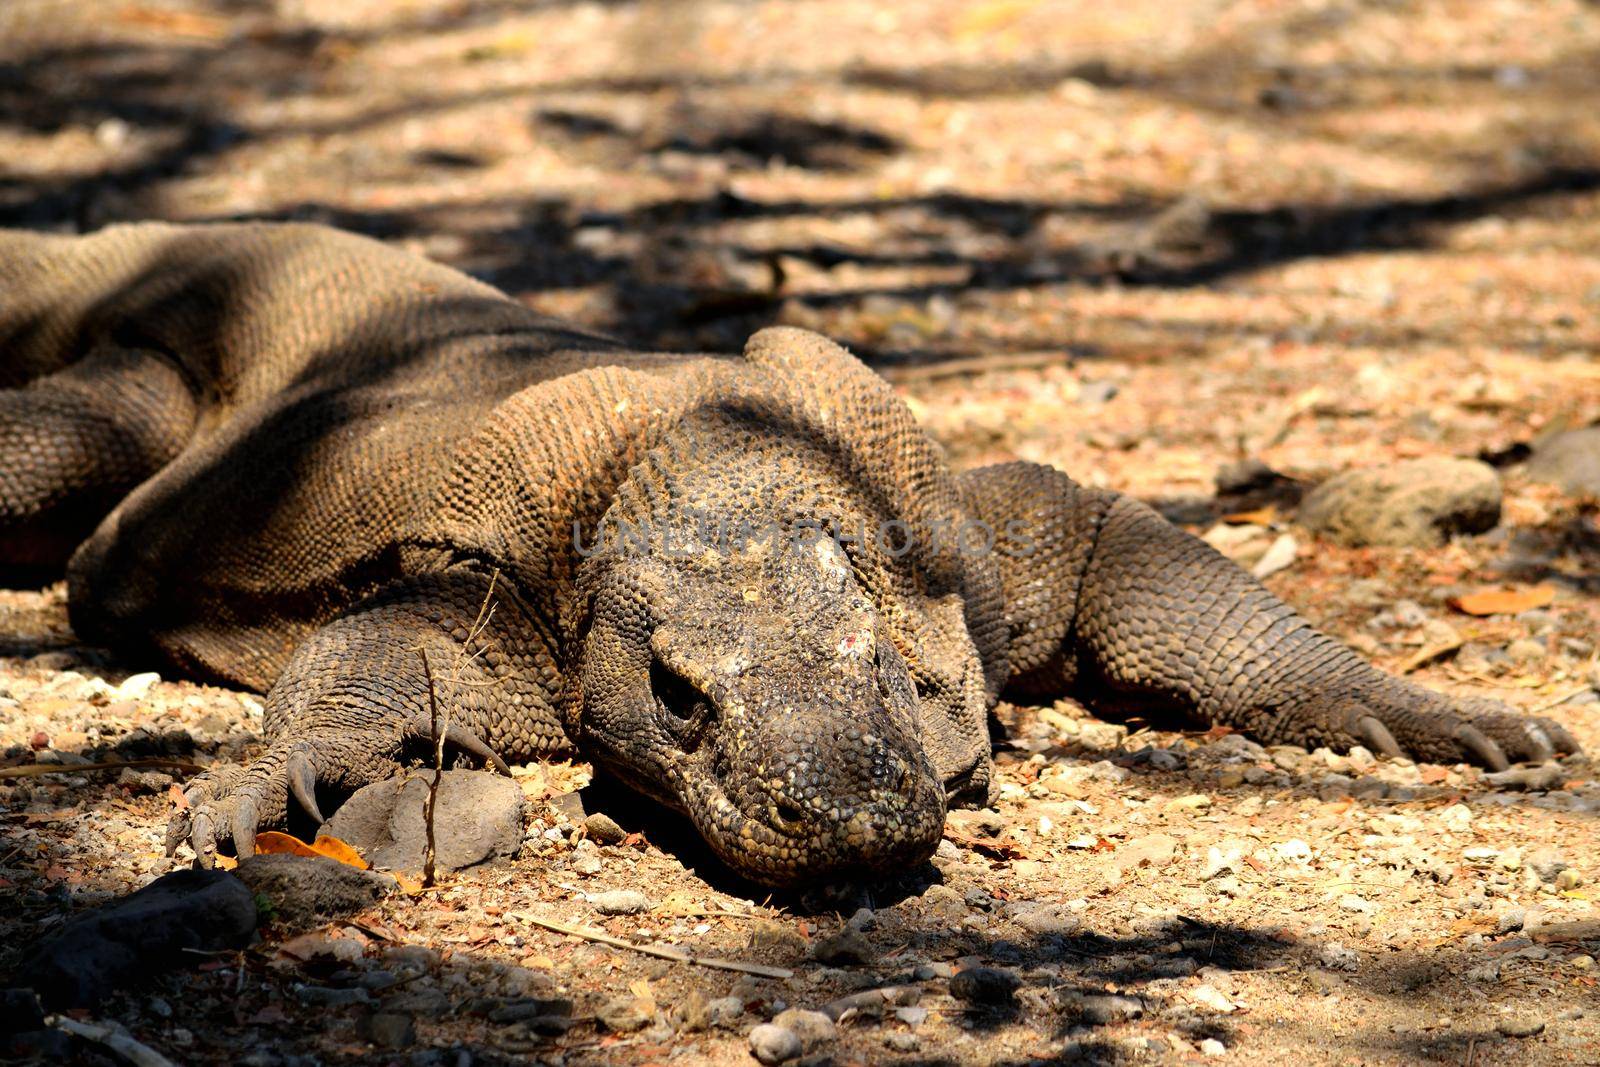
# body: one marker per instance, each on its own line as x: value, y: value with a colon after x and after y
x: 307, y: 463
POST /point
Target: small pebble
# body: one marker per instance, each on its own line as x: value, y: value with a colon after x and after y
x: 620, y: 902
x: 1212, y: 1047
x: 813, y: 1028
x: 603, y: 829
x: 389, y: 1030
x: 984, y: 985
x: 773, y: 1044
x: 1520, y: 1025
x: 847, y: 946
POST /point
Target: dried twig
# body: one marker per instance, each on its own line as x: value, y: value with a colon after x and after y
x: 1428, y: 655
x: 465, y: 655
x: 665, y: 952
x: 975, y: 365
x: 428, y: 855
x: 112, y: 1037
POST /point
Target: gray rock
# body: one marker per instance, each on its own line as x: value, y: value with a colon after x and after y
x: 1415, y: 503
x: 478, y: 819
x: 1570, y: 460
x: 813, y: 1028
x: 388, y: 1030
x: 168, y: 923
x: 620, y: 902
x: 985, y: 985
x: 301, y: 892
x: 774, y: 1044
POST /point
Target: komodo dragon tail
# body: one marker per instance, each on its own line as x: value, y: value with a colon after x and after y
x: 1111, y: 604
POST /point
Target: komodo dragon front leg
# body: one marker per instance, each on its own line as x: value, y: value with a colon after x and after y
x: 1110, y: 603
x: 450, y: 653
x: 73, y: 443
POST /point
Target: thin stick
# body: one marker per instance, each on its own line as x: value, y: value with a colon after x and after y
x: 438, y: 769
x: 975, y: 365
x: 1554, y: 702
x: 33, y: 770
x: 113, y: 1038
x: 677, y: 955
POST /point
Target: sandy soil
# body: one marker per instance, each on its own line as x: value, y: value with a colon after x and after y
x: 1141, y: 241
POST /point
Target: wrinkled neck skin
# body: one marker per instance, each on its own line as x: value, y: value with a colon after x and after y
x: 751, y: 672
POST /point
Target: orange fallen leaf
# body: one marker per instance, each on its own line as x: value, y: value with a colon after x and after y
x: 272, y: 841
x: 335, y: 849
x: 1259, y: 517
x: 1507, y: 601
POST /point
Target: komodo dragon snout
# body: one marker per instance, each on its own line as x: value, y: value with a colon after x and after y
x: 757, y: 691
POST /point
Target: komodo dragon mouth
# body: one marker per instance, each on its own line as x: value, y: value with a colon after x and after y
x: 760, y: 694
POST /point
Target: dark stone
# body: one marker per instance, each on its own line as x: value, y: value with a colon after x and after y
x: 984, y: 985
x: 156, y: 928
x: 389, y: 1030
x: 303, y: 892
x: 38, y: 1046
x: 19, y: 1011
x: 521, y: 1011
x: 478, y: 818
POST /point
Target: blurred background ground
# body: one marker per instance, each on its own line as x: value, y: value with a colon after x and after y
x: 1142, y: 241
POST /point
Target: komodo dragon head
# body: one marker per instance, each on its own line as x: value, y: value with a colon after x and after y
x: 755, y: 677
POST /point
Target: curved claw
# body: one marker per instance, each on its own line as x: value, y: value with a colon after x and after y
x: 204, y: 840
x: 1476, y: 742
x: 245, y: 819
x: 303, y: 784
x: 463, y: 739
x: 1378, y: 738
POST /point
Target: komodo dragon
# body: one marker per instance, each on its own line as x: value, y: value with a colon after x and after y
x: 297, y: 461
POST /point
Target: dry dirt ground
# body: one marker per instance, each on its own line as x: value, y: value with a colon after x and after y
x: 1140, y: 240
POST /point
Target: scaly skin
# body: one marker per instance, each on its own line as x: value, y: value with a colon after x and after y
x: 400, y: 504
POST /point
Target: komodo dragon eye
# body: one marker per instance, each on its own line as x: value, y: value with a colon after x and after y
x: 679, y: 697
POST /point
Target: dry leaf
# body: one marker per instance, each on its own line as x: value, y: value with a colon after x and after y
x: 272, y: 841
x: 1506, y: 601
x: 335, y: 849
x: 1259, y: 517
x: 680, y: 902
